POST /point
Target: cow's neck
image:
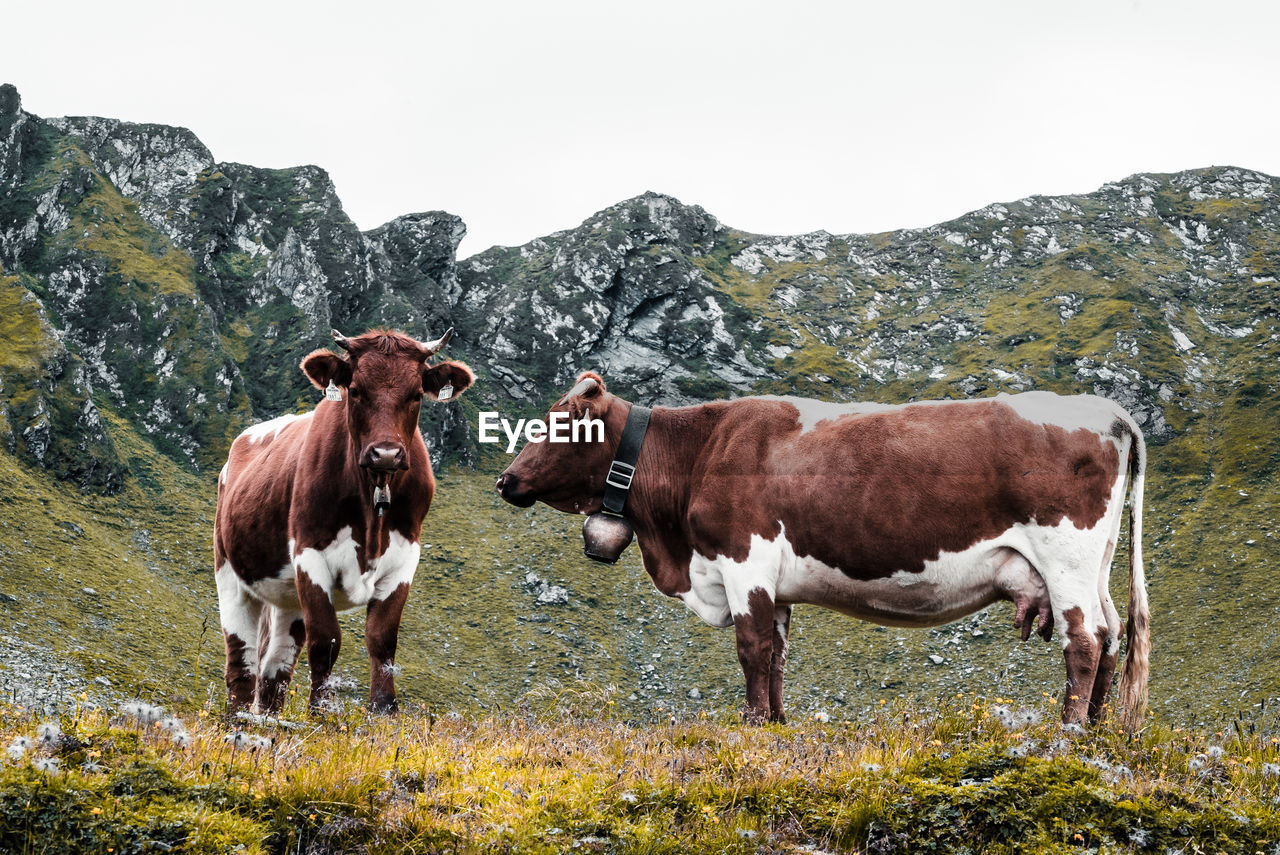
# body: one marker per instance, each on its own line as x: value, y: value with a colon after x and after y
x: 659, y: 500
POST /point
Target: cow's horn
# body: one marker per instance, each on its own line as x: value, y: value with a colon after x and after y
x: 583, y: 385
x: 433, y: 347
x: 339, y: 339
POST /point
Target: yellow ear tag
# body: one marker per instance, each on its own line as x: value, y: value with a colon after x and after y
x: 333, y: 393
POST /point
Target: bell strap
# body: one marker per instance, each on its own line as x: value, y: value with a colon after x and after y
x: 618, y: 482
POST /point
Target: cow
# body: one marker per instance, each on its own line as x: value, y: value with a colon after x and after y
x: 908, y: 515
x: 321, y: 512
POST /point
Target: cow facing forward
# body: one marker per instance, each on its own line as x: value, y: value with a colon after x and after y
x: 912, y: 515
x: 321, y: 512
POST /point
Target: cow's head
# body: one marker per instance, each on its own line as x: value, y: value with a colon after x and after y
x: 382, y: 377
x: 569, y: 476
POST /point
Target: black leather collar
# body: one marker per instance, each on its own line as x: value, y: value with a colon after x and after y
x: 618, y: 482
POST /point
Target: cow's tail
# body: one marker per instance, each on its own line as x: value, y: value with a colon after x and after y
x: 1133, y: 683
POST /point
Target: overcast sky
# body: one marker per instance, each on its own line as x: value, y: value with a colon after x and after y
x: 779, y: 117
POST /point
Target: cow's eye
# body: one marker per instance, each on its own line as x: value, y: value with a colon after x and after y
x: 415, y: 397
x: 353, y: 392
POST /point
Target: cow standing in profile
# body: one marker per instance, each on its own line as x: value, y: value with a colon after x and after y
x: 321, y: 512
x: 912, y: 515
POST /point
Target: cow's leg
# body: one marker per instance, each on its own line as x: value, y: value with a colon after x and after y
x: 1082, y: 646
x: 323, y: 636
x: 381, y: 629
x: 778, y: 665
x: 1110, y: 642
x: 754, y: 627
x: 239, y: 612
x: 280, y: 654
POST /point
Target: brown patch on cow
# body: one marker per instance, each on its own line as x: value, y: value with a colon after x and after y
x: 755, y: 632
x: 1081, y: 654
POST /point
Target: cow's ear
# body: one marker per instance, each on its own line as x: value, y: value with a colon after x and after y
x: 323, y: 368
x: 455, y: 375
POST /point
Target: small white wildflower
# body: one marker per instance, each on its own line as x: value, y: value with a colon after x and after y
x: 1197, y: 762
x: 237, y: 739
x: 871, y: 767
x: 259, y: 743
x: 1271, y: 770
x: 142, y: 713
x: 1215, y: 752
x: 391, y: 669
x: 172, y: 725
x: 20, y: 746
x: 746, y: 834
x: 1027, y: 717
x: 1121, y: 772
x: 629, y: 797
x: 1098, y: 763
x: 49, y: 733
x: 1073, y: 729
x: 92, y: 766
x: 1017, y: 751
x: 822, y: 715
x: 181, y: 739
x: 48, y: 765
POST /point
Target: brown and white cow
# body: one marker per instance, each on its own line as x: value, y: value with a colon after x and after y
x: 321, y: 512
x: 911, y: 515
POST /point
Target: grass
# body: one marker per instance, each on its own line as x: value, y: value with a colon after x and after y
x: 965, y: 773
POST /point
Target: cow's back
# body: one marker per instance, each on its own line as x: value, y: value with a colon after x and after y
x: 255, y: 489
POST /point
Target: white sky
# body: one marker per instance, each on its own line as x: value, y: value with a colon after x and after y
x: 778, y: 117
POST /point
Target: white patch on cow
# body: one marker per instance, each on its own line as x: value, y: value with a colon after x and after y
x: 812, y: 413
x: 1070, y: 413
x: 279, y: 590
x: 325, y: 567
x: 226, y: 470
x: 238, y: 611
x: 282, y: 650
x: 336, y: 569
x: 270, y: 429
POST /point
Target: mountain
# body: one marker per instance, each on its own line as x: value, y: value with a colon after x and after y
x: 156, y: 301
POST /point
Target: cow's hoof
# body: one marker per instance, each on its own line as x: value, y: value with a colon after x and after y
x: 384, y: 706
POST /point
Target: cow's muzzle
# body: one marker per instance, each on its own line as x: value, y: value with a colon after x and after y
x: 385, y: 458
x: 508, y: 488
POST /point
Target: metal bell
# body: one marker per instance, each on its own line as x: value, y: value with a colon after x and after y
x: 604, y: 537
